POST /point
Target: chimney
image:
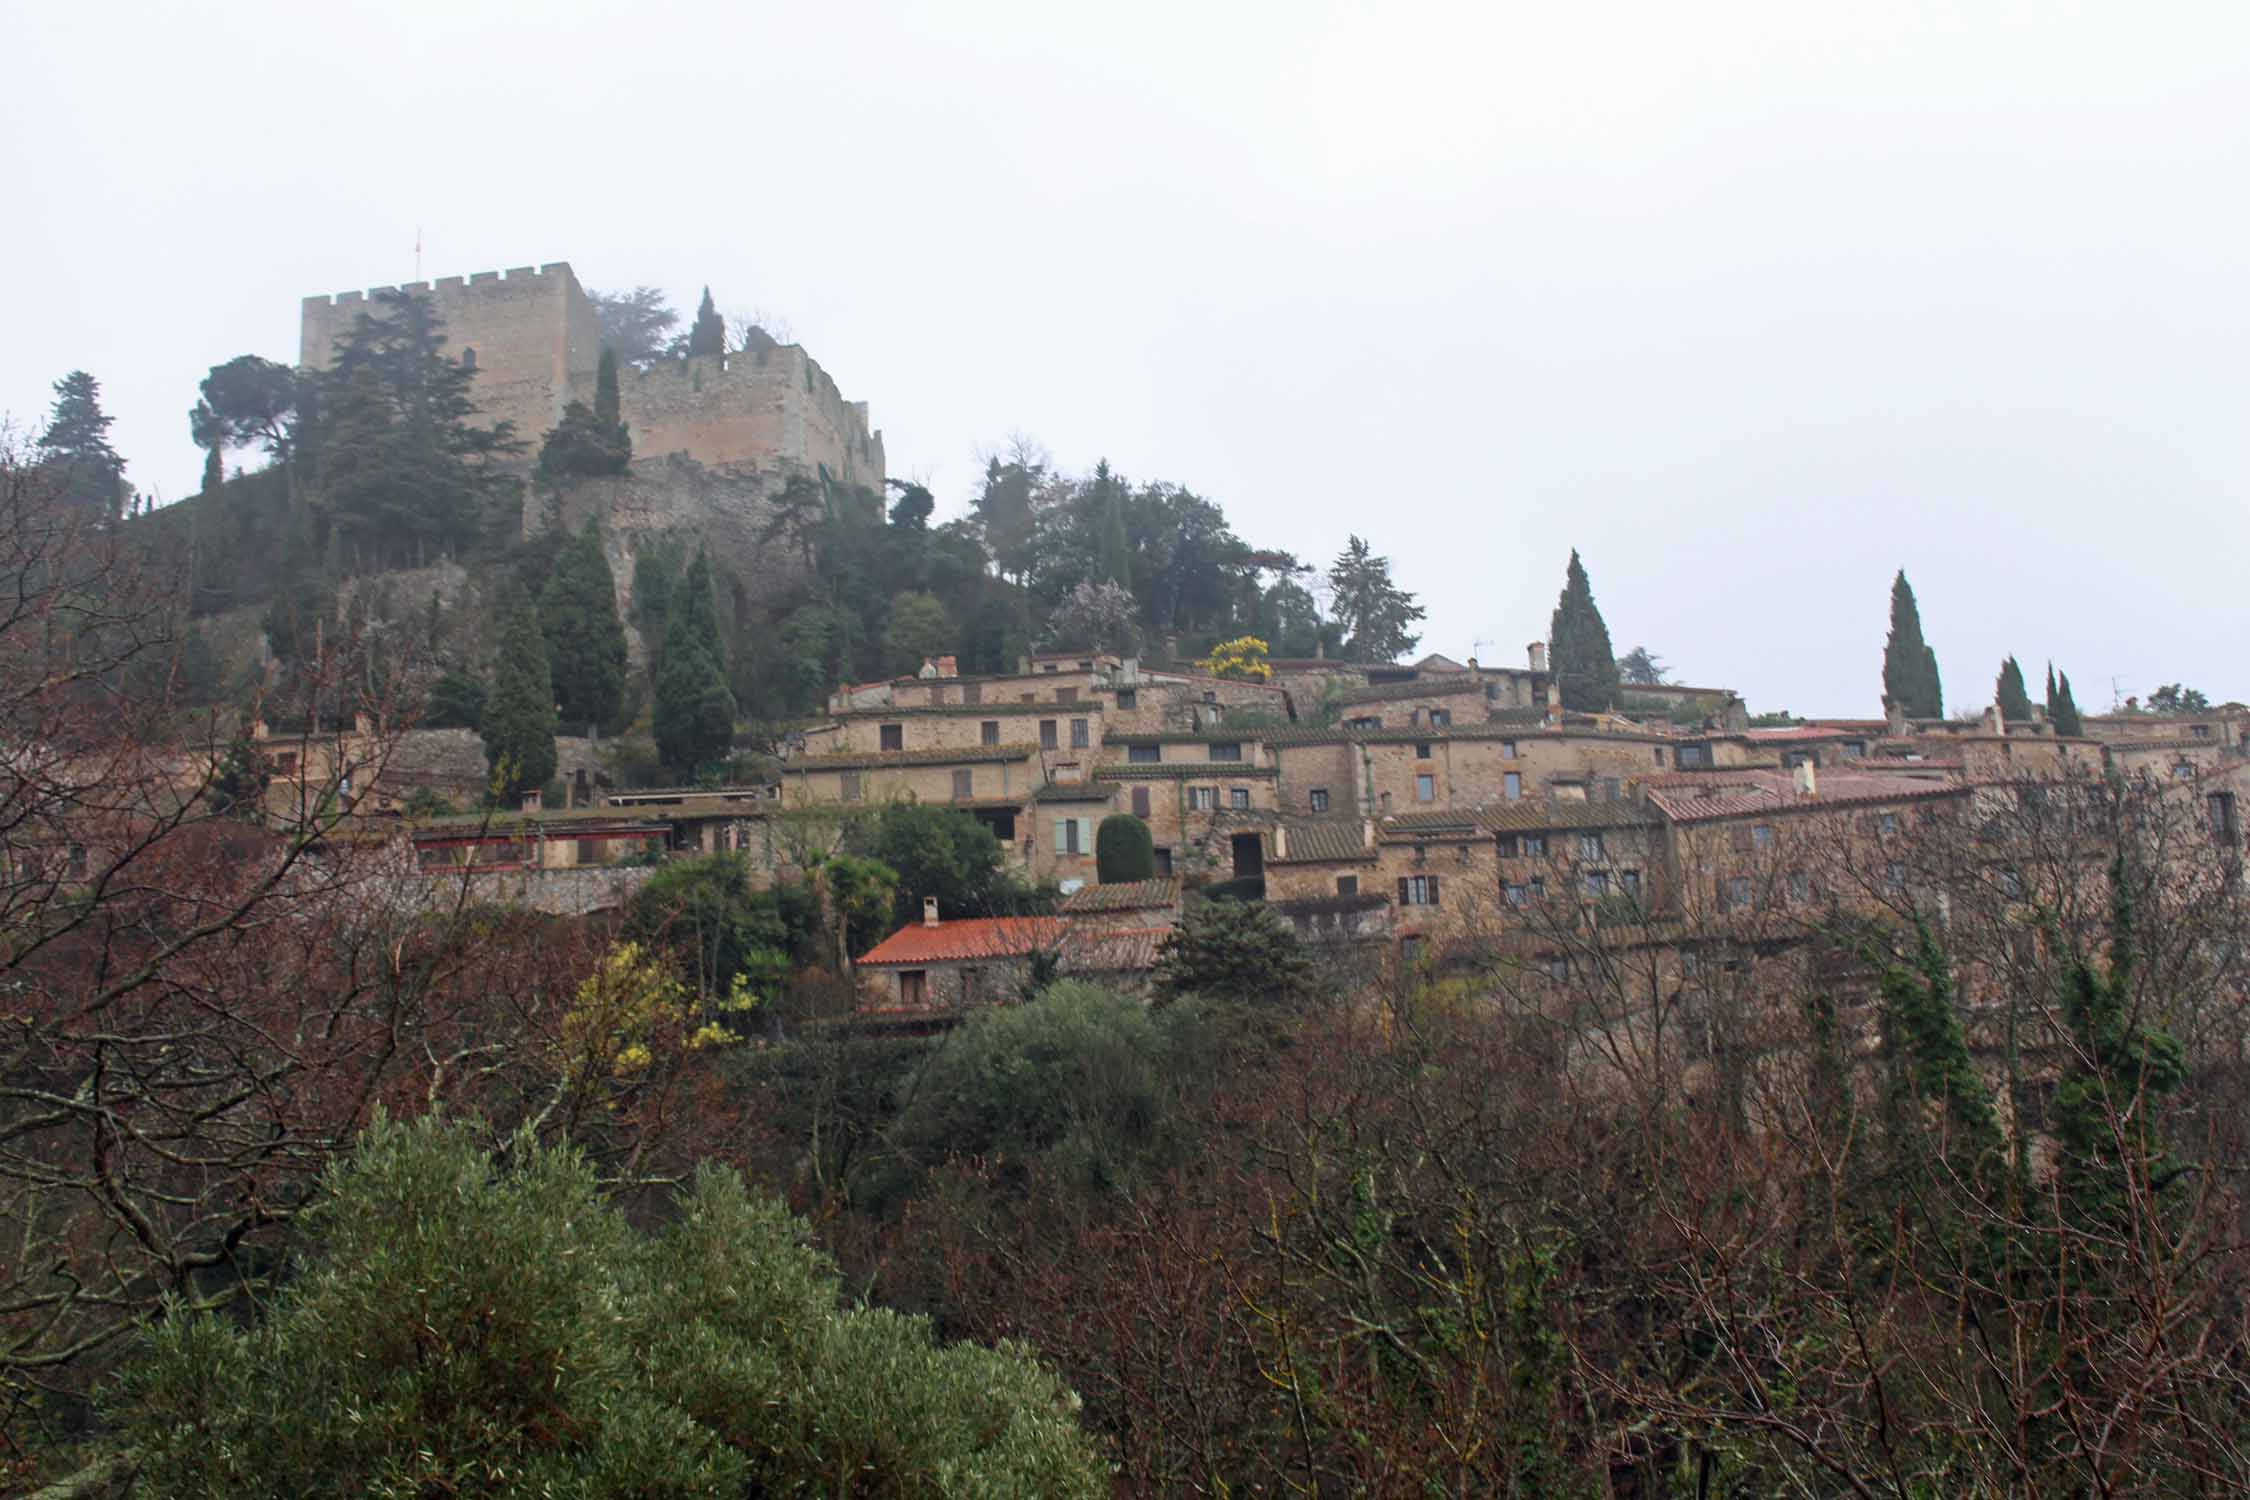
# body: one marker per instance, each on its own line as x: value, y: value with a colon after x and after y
x: 532, y: 800
x: 949, y: 666
x: 258, y: 730
x: 1472, y: 664
x: 929, y: 911
x: 929, y: 670
x: 1808, y: 780
x: 1281, y: 841
x: 1894, y: 718
x: 1537, y: 651
x: 1994, y: 724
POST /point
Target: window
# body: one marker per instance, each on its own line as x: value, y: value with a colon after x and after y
x: 1128, y: 699
x: 1047, y: 740
x: 1079, y: 738
x: 1320, y: 799
x: 1511, y: 785
x: 1508, y: 749
x: 2200, y: 731
x: 964, y: 785
x: 1854, y: 749
x: 1386, y: 802
x: 1894, y: 876
x: 1761, y: 836
x: 1140, y: 803
x: 1238, y: 798
x: 1375, y: 723
x: 1226, y: 751
x: 914, y: 987
x: 2011, y: 885
x: 1164, y: 859
x: 1425, y: 788
x: 1886, y: 822
x: 1692, y: 757
x: 1597, y: 884
x: 1735, y: 892
x: 1027, y: 697
x: 1422, y: 750
x: 1441, y: 718
x: 1418, y: 890
x: 1800, y: 886
x: 1590, y: 845
x: 969, y: 984
x: 893, y: 737
x: 1144, y: 755
x: 2221, y: 808
x: 1660, y: 756
x: 2183, y: 769
x: 1067, y: 839
x: 1202, y: 798
x: 1516, y: 893
x: 1421, y: 854
x: 1535, y: 845
x: 468, y: 357
x: 1631, y: 881
x: 1558, y: 969
x: 1510, y: 846
x: 849, y: 792
x: 1066, y: 695
x: 1410, y: 948
x: 988, y: 732
x: 1210, y: 697
x: 590, y: 853
x: 1608, y: 789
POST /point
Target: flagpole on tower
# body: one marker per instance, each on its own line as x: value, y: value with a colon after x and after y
x: 417, y: 252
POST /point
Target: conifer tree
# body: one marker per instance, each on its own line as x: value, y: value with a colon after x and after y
x: 585, y: 638
x: 519, y: 714
x: 214, y: 471
x: 76, y: 446
x: 2011, y: 694
x: 1910, y: 670
x: 1584, y: 665
x: 1372, y: 611
x: 608, y: 405
x: 709, y: 335
x: 694, y: 711
x: 2062, y: 708
x: 1114, y: 564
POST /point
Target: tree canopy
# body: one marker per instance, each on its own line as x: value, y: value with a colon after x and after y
x: 518, y: 725
x: 585, y: 638
x: 75, y: 446
x: 1585, y: 670
x: 1372, y: 611
x: 1910, y: 669
x: 2013, y: 698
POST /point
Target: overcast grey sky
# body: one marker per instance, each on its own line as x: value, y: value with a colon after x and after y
x: 1752, y: 303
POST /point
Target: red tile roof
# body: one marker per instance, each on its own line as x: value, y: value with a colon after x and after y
x: 1750, y: 792
x: 965, y: 939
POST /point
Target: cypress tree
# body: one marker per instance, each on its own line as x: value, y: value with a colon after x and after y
x: 608, y: 406
x: 519, y: 714
x: 1124, y: 850
x: 1910, y: 670
x: 1585, y: 666
x: 2062, y: 708
x: 585, y: 639
x: 709, y: 335
x: 2011, y: 694
x: 694, y: 712
x: 214, y: 470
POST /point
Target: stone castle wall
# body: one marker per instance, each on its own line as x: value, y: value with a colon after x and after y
x: 531, y: 330
x: 537, y: 346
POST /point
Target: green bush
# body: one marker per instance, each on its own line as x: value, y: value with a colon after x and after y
x: 1234, y: 950
x: 472, y: 1324
x: 1123, y: 850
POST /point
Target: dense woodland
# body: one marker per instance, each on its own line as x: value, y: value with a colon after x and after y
x: 312, y: 1192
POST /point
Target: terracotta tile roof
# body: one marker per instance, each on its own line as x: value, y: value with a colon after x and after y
x: 1118, y: 950
x: 1128, y: 895
x: 1217, y: 770
x: 966, y: 710
x: 1491, y: 729
x: 1747, y: 793
x: 1529, y: 815
x: 2127, y: 747
x: 848, y: 760
x: 1315, y: 841
x: 1187, y: 737
x: 964, y: 940
x: 1797, y: 733
x: 1079, y: 791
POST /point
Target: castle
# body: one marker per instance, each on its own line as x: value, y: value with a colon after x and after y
x: 532, y: 337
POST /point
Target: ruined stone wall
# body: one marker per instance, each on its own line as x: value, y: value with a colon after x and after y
x: 532, y: 330
x: 768, y: 408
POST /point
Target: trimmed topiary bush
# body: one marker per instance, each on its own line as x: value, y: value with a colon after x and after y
x: 1123, y: 850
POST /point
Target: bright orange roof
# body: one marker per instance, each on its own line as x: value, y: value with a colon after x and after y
x: 966, y: 938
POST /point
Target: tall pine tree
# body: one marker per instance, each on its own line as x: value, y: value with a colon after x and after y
x: 2011, y: 694
x: 585, y: 639
x: 1910, y: 670
x: 1584, y: 665
x: 694, y: 711
x: 709, y: 334
x: 519, y: 714
x: 1372, y: 611
x: 1115, y: 563
x: 75, y: 447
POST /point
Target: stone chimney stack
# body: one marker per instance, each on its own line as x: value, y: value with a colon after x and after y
x: 1537, y: 651
x: 929, y: 911
x: 1994, y: 722
x: 949, y: 666
x: 532, y: 800
x: 1894, y: 718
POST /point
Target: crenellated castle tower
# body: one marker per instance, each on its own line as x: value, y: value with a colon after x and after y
x: 532, y: 336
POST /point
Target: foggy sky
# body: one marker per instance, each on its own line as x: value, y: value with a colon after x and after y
x: 1753, y: 304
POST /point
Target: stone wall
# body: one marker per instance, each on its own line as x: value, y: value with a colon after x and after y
x: 775, y: 407
x: 532, y: 332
